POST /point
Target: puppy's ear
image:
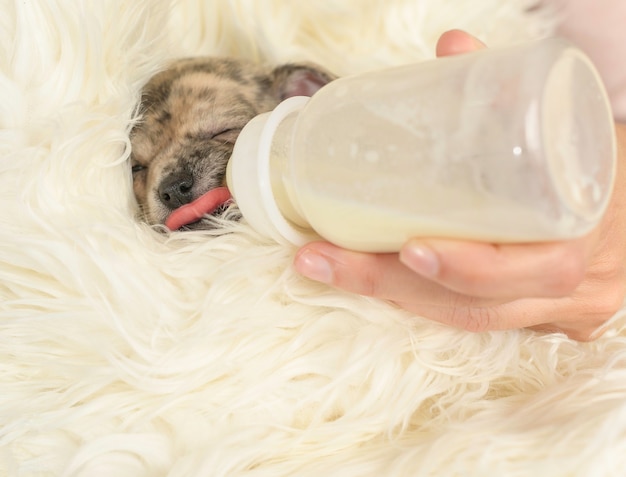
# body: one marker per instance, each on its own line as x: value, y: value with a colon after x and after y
x: 299, y: 80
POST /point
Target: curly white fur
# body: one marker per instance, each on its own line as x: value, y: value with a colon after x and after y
x: 127, y: 352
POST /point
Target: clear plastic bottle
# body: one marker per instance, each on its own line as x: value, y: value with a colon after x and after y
x: 501, y: 145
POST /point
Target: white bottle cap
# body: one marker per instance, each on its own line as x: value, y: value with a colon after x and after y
x: 248, y: 176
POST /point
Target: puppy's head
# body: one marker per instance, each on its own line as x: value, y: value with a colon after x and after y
x: 191, y: 115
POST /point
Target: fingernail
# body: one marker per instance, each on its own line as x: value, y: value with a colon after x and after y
x: 314, y: 266
x: 421, y: 259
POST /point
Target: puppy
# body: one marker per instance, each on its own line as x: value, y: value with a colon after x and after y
x: 191, y: 115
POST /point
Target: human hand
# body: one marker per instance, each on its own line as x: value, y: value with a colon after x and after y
x: 572, y: 287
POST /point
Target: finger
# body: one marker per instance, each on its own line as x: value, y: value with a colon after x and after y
x: 502, y: 272
x: 455, y: 42
x: 377, y: 275
x: 517, y: 314
x: 583, y: 316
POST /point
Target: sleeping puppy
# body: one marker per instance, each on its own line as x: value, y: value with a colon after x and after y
x: 191, y: 115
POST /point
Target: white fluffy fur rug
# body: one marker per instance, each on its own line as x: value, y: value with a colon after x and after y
x: 127, y: 352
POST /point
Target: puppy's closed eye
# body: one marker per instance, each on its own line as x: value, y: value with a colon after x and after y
x: 228, y: 135
x: 137, y: 168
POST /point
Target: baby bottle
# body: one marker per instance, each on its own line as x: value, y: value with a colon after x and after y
x: 501, y: 145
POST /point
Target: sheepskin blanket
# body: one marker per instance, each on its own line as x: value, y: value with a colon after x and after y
x: 125, y: 351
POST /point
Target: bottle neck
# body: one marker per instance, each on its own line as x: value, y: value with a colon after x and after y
x: 262, y: 187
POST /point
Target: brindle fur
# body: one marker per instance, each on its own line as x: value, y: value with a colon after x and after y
x: 191, y: 115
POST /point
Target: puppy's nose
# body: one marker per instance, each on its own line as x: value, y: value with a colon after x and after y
x: 175, y: 190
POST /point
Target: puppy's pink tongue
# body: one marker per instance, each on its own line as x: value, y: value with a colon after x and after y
x: 194, y: 211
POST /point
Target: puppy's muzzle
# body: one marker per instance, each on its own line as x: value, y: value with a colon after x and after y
x: 187, y: 208
x: 176, y: 190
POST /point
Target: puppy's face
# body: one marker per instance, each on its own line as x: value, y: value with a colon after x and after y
x: 192, y: 114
